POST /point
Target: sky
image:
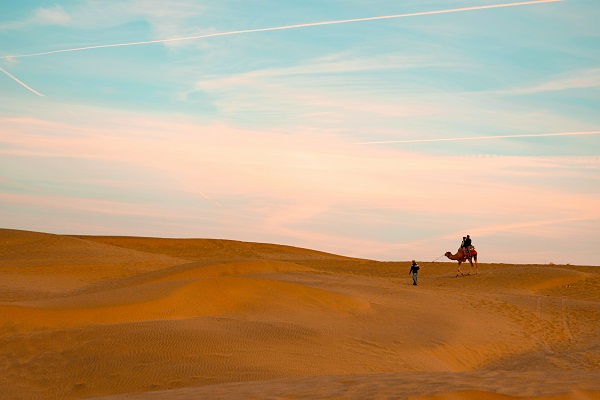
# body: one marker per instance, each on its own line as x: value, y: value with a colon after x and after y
x: 380, y: 129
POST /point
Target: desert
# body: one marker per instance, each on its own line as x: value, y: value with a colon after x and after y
x: 148, y: 318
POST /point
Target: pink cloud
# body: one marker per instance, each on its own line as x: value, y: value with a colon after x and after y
x: 277, y: 183
x: 220, y: 160
x: 91, y: 205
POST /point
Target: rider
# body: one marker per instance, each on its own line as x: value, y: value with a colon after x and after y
x: 466, y: 246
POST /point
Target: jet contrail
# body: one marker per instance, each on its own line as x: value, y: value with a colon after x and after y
x: 277, y: 28
x: 484, y: 137
x: 21, y: 83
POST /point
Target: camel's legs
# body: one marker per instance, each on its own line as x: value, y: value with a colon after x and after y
x: 459, y: 271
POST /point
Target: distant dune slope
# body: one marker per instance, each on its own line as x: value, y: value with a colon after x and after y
x: 198, y: 249
x: 37, y: 265
x: 148, y: 318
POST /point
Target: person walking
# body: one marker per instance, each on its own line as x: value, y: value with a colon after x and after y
x: 414, y: 270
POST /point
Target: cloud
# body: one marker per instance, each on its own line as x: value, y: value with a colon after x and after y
x: 308, y: 188
x: 332, y: 67
x: 55, y: 15
x: 537, y: 227
x: 166, y: 19
x: 169, y: 12
x: 44, y: 16
x: 333, y: 90
x: 223, y: 162
x: 89, y: 205
x: 581, y: 79
x: 537, y: 241
x: 457, y: 139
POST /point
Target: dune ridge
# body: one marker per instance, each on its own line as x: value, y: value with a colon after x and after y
x: 149, y: 318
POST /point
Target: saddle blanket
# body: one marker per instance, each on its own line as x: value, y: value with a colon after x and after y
x: 472, y: 251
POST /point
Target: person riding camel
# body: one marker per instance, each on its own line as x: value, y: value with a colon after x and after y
x: 466, y: 246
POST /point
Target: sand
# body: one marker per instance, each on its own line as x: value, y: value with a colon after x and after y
x: 146, y: 318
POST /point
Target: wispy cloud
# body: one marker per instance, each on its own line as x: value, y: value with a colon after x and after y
x: 91, y: 205
x: 529, y: 226
x: 331, y: 66
x: 262, y: 185
x: 220, y: 161
x: 54, y: 15
x: 287, y: 27
x: 582, y: 79
x: 456, y: 139
x: 490, y: 246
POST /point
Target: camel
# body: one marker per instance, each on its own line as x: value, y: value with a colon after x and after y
x: 460, y: 257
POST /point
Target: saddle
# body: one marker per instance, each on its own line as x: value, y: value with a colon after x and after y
x: 472, y: 252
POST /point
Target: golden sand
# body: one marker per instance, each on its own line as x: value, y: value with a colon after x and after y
x: 145, y: 318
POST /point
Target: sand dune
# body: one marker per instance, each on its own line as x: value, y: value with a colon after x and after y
x: 36, y: 265
x: 146, y: 318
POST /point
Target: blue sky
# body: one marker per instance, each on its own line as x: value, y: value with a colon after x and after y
x: 387, y: 139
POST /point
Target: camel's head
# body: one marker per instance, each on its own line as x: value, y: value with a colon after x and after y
x: 448, y: 254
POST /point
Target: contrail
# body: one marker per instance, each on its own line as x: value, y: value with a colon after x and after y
x: 209, y: 199
x: 21, y: 83
x: 484, y: 137
x: 277, y: 28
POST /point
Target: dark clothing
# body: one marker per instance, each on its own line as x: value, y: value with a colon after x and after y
x: 414, y: 270
x: 466, y: 247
